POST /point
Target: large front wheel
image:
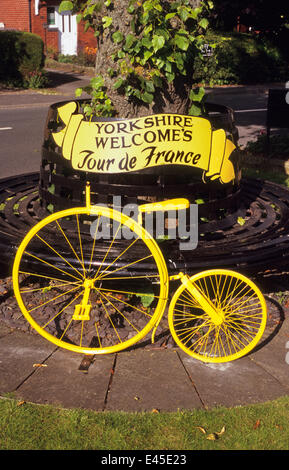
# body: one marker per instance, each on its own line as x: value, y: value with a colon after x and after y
x: 90, y: 281
x: 217, y: 315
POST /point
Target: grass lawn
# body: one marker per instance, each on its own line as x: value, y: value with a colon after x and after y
x: 25, y: 426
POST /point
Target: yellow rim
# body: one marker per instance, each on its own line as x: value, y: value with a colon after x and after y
x: 217, y: 316
x: 79, y: 279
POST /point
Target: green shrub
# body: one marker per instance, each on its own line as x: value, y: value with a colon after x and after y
x: 21, y: 54
x: 239, y: 58
x: 278, y: 146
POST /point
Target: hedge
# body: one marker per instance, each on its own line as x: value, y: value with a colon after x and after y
x: 239, y: 58
x: 21, y: 53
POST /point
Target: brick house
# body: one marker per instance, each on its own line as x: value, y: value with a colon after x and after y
x: 59, y: 31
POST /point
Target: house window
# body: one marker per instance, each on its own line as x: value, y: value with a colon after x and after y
x: 51, y: 16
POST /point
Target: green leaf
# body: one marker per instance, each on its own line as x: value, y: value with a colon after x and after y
x: 157, y: 81
x: 241, y: 221
x: 197, y: 94
x: 195, y: 110
x: 147, y: 97
x: 158, y: 42
x: 65, y: 5
x: 184, y: 14
x: 118, y: 83
x: 106, y: 21
x: 87, y: 110
x: 170, y: 77
x: 97, y: 82
x: 117, y: 37
x: 146, y: 42
x: 78, y: 92
x: 149, y: 86
x: 130, y: 39
x: 204, y: 23
x: 169, y: 16
x: 146, y: 299
x: 182, y: 42
x: 51, y: 189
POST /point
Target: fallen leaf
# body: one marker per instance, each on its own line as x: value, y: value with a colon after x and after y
x: 39, y: 365
x: 221, y: 432
x: 257, y: 424
x: 212, y: 437
x: 137, y: 398
x: 154, y: 410
x: 20, y: 403
x: 201, y: 429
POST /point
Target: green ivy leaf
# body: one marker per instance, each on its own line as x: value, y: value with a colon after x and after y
x: 78, y: 92
x: 117, y: 37
x: 146, y: 42
x: 158, y: 42
x: 204, y: 23
x: 118, y: 83
x: 169, y: 16
x: 197, y: 94
x: 149, y: 86
x: 170, y: 77
x: 195, y: 110
x: 182, y: 42
x: 147, y: 97
x: 157, y: 81
x: 130, y: 39
x: 97, y: 82
x: 106, y: 21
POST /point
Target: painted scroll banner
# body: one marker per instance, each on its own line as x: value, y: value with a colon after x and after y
x: 119, y: 146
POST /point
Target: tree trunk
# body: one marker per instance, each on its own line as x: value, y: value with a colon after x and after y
x: 172, y: 99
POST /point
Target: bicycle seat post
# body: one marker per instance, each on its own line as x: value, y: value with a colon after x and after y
x: 87, y: 195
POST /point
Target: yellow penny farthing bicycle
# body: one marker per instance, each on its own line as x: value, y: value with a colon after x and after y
x: 94, y: 281
x: 83, y: 292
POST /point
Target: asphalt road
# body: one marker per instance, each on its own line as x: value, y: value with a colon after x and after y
x: 21, y: 135
x: 249, y: 110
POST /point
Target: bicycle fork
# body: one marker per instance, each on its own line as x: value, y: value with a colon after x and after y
x: 216, y: 314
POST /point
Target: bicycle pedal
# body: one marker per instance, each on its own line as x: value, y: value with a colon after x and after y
x: 81, y: 312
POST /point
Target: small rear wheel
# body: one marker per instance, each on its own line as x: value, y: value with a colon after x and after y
x: 229, y: 328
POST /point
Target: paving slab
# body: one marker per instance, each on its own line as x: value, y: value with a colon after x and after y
x: 61, y: 382
x: 18, y: 352
x: 235, y: 383
x: 146, y: 380
x: 273, y: 357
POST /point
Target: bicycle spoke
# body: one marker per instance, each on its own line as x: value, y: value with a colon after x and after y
x: 58, y: 254
x: 54, y: 298
x: 51, y: 265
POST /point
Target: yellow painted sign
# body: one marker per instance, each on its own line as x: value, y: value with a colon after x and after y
x: 127, y: 145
